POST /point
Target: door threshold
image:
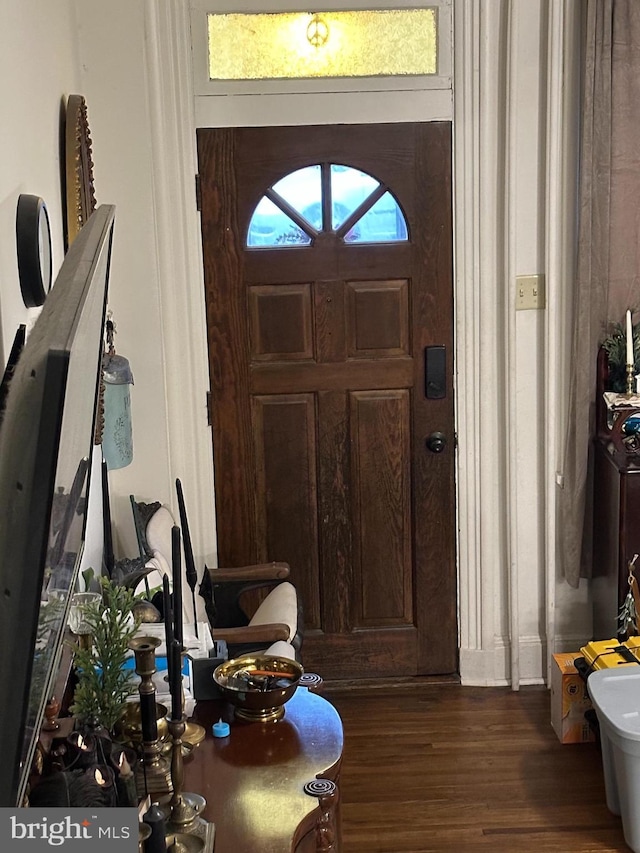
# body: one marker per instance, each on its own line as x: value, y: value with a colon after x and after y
x: 406, y: 682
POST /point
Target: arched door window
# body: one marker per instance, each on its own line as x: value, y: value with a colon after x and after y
x: 326, y: 198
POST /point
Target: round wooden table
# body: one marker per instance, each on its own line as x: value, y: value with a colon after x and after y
x: 271, y: 787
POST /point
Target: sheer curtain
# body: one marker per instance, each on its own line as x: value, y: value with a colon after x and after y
x: 608, y: 265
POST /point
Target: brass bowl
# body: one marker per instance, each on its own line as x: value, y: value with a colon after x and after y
x: 258, y: 697
x: 129, y: 726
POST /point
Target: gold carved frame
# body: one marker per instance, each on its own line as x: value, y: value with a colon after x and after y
x: 80, y: 191
x: 80, y: 194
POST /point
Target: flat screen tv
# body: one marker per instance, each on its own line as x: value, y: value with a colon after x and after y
x: 47, y: 430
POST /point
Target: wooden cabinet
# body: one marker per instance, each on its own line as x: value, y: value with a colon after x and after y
x: 616, y: 508
x: 616, y: 531
x: 271, y: 787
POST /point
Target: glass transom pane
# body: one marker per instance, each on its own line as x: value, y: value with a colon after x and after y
x: 381, y: 222
x: 302, y: 189
x: 270, y: 226
x: 349, y: 188
x: 368, y: 43
x: 384, y: 222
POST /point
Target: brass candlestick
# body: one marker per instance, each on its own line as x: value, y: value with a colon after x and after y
x: 184, y: 808
x: 193, y: 733
x: 630, y: 379
x: 183, y: 815
x: 153, y: 774
x: 51, y: 711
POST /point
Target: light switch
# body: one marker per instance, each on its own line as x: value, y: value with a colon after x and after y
x: 530, y: 292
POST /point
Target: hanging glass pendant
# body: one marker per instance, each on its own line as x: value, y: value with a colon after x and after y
x: 117, y: 436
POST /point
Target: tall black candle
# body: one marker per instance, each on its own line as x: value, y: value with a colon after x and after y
x: 189, y: 562
x: 168, y: 623
x: 177, y: 584
x: 176, y: 681
x: 144, y: 649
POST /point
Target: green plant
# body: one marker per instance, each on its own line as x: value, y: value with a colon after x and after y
x: 103, y: 685
x: 87, y: 576
x: 615, y: 345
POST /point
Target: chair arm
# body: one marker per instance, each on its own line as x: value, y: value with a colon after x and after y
x: 259, y: 572
x: 268, y: 633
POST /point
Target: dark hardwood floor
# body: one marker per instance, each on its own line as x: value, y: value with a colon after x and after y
x: 440, y: 768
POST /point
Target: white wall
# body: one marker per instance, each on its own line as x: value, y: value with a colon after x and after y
x: 131, y: 61
x: 38, y: 68
x: 113, y: 74
x: 148, y: 171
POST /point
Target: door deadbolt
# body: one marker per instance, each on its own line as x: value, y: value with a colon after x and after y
x: 436, y: 442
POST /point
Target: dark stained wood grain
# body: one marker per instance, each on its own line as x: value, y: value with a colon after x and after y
x: 228, y: 342
x: 286, y: 459
x: 317, y: 363
x: 330, y: 321
x: 378, y: 318
x: 380, y: 435
x: 254, y: 780
x: 440, y: 768
x: 368, y: 262
x: 434, y: 504
x: 334, y: 489
x: 393, y: 653
x: 273, y: 335
x: 363, y: 374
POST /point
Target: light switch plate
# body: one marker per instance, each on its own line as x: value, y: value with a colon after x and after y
x: 530, y: 292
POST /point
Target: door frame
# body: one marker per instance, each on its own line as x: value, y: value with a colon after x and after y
x: 482, y: 553
x: 171, y: 33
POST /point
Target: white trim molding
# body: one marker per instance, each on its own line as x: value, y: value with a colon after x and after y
x: 184, y: 337
x: 506, y: 590
x: 468, y: 318
x: 480, y: 325
x: 491, y: 667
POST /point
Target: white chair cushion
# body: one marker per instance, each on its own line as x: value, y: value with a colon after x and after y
x: 281, y: 650
x: 158, y: 532
x: 158, y: 559
x: 281, y: 605
x: 158, y: 535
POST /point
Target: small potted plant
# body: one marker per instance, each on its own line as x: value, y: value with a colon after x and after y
x: 104, y: 684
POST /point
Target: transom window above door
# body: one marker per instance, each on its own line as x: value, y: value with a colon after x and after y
x: 330, y: 199
x: 290, y: 45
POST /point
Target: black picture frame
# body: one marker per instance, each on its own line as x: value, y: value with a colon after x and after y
x: 46, y: 444
x: 33, y: 244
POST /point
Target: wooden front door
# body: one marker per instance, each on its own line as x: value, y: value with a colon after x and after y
x: 321, y: 410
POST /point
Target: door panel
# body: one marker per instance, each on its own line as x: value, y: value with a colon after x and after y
x: 380, y: 448
x: 286, y: 453
x: 319, y: 410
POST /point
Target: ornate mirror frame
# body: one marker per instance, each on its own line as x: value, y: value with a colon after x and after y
x: 80, y: 191
x: 80, y: 194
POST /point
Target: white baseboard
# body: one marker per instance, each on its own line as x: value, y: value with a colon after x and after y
x: 492, y: 668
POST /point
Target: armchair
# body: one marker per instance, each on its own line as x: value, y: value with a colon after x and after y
x: 227, y: 594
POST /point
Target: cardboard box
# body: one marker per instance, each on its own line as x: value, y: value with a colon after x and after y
x: 569, y: 701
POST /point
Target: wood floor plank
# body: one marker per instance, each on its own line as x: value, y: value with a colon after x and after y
x: 441, y: 768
